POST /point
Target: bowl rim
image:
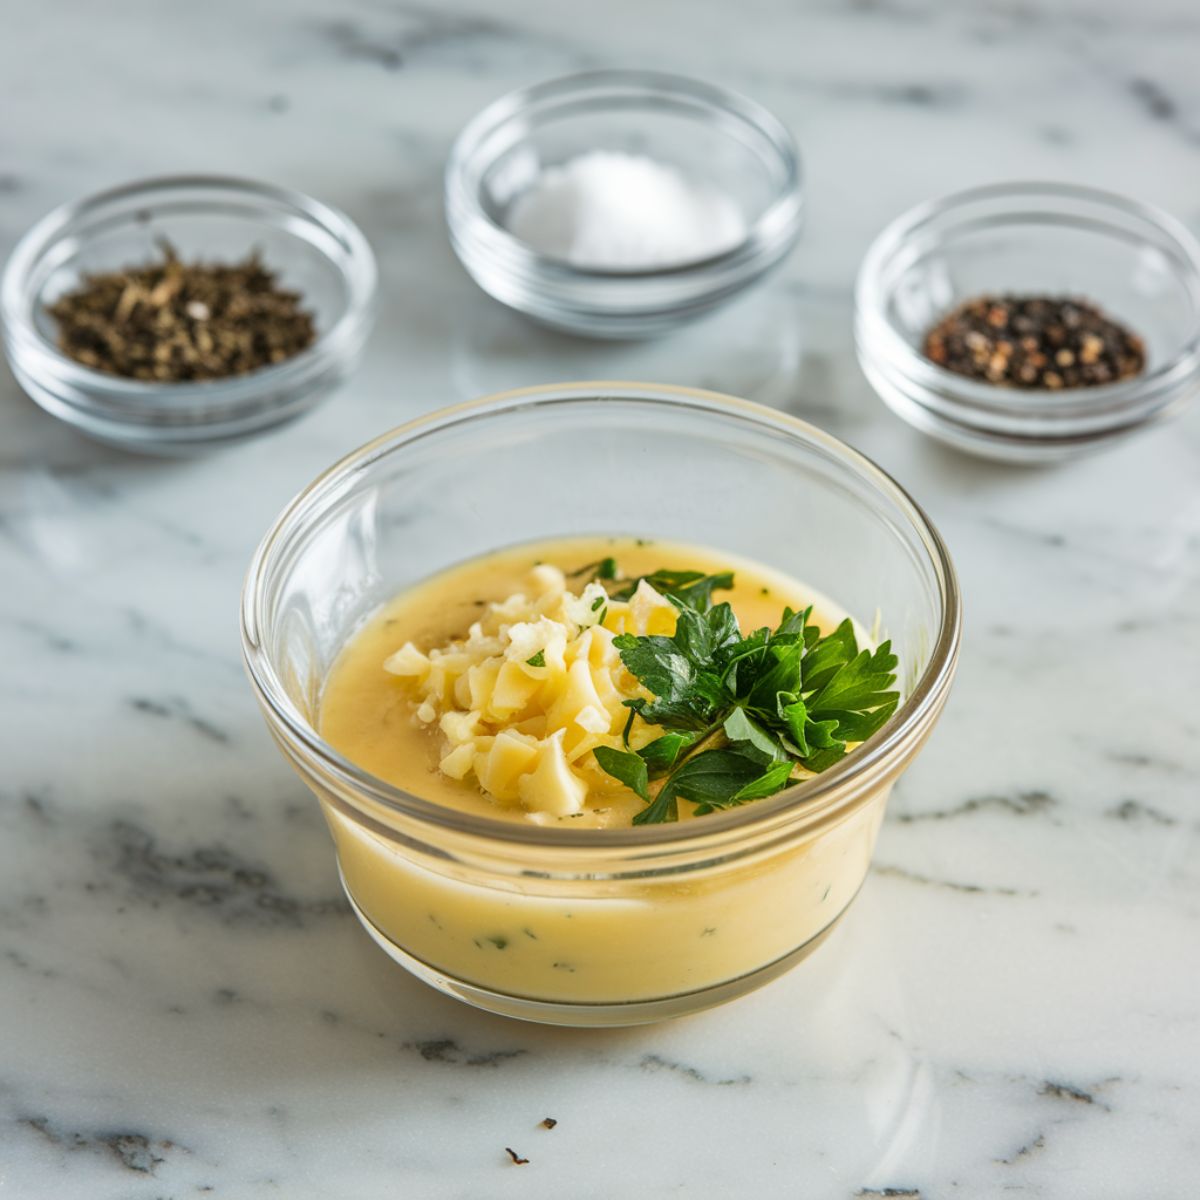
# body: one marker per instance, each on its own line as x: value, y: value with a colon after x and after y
x: 359, y: 271
x: 879, y: 337
x: 777, y: 224
x: 844, y: 781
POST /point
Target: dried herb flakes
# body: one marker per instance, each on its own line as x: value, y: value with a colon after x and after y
x: 173, y: 321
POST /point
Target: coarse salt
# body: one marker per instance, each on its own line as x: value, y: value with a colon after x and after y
x: 612, y: 211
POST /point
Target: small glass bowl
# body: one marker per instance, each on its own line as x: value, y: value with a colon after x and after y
x: 315, y: 249
x: 1136, y: 263
x: 710, y: 134
x: 597, y: 927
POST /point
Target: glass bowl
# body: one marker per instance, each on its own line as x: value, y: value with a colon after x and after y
x: 1138, y: 264
x: 598, y: 927
x: 713, y: 136
x: 316, y: 250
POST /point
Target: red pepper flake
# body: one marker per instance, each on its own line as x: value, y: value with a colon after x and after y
x: 549, y: 1123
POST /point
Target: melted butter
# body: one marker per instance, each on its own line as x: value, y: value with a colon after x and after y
x: 368, y: 714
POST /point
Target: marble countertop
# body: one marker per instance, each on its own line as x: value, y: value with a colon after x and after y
x: 186, y: 1008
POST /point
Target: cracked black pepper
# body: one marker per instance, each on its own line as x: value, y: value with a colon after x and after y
x: 1035, y: 342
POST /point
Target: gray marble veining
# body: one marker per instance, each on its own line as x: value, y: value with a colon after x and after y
x: 186, y: 1007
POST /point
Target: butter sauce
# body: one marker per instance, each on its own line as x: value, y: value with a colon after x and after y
x: 373, y: 716
x: 591, y: 939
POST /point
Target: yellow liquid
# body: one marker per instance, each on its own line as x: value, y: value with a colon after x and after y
x: 367, y: 714
x: 593, y: 941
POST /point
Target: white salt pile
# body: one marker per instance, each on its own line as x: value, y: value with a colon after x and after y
x: 612, y: 211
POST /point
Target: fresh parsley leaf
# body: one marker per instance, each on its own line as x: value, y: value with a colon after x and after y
x: 858, y: 726
x: 829, y: 655
x: 741, y: 660
x: 538, y: 660
x: 632, y: 705
x: 688, y: 712
x: 710, y: 690
x: 686, y: 589
x: 793, y: 712
x: 604, y: 568
x: 658, y: 664
x: 629, y: 768
x: 664, y: 807
x: 713, y: 776
x: 822, y: 760
x: 795, y: 623
x: 684, y: 694
x: 774, y: 779
x: 860, y: 683
x: 778, y: 672
x: 740, y: 714
x: 710, y: 779
x: 752, y: 739
x: 808, y: 734
x: 701, y: 635
x: 661, y: 754
x: 713, y: 780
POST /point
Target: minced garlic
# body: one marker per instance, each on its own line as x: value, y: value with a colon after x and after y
x: 533, y: 689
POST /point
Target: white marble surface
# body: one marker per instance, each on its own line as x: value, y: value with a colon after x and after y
x: 185, y: 1007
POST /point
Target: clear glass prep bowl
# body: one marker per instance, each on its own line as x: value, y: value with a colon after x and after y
x: 598, y: 927
x: 316, y: 250
x: 1138, y: 264
x: 710, y: 134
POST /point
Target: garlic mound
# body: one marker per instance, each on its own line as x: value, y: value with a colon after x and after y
x: 533, y: 689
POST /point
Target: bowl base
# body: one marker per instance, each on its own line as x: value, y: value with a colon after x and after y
x: 582, y: 1015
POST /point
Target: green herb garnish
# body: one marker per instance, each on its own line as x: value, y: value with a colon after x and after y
x: 742, y: 716
x: 538, y: 660
x: 604, y: 568
x: 685, y: 589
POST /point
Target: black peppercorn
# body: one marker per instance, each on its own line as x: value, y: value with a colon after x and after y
x: 1032, y: 342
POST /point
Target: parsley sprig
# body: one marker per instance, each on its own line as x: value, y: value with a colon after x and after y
x: 741, y: 716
